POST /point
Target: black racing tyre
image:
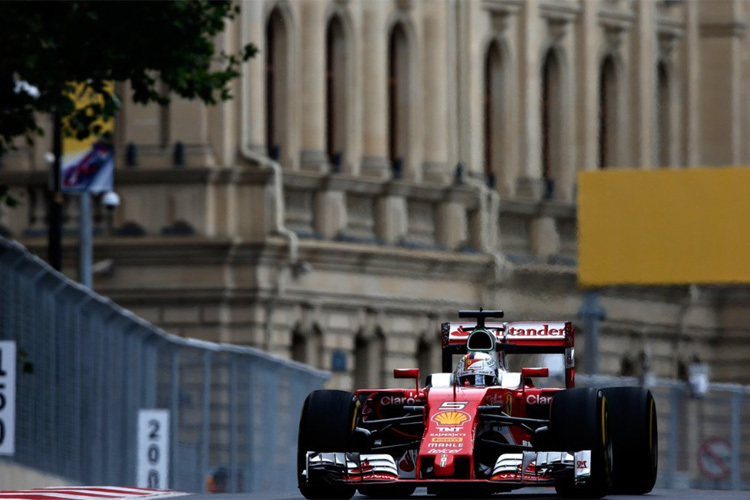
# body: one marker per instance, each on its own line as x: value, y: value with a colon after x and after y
x: 326, y: 424
x: 635, y: 440
x: 579, y: 421
x: 387, y: 490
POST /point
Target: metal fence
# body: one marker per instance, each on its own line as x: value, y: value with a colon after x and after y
x: 86, y: 367
x: 702, y: 443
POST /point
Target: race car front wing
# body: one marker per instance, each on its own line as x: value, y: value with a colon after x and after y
x: 528, y: 468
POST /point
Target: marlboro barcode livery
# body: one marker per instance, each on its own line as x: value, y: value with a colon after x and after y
x: 482, y: 427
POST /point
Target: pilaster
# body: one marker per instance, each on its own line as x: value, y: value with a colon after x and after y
x: 529, y: 86
x: 721, y: 30
x: 435, y: 93
x: 644, y: 84
x: 331, y: 213
x: 392, y: 221
x: 313, y: 156
x: 374, y: 92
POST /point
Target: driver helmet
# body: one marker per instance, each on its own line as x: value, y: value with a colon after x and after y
x: 476, y: 369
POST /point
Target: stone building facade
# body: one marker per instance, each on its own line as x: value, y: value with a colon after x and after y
x: 385, y: 163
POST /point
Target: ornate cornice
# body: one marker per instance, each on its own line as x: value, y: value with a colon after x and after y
x: 668, y: 32
x: 557, y: 11
x: 138, y: 176
x: 501, y: 11
x: 723, y: 30
x: 502, y: 7
x: 405, y: 5
x: 619, y: 20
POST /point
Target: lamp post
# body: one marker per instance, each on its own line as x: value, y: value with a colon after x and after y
x: 592, y: 314
x: 55, y: 207
x: 84, y: 254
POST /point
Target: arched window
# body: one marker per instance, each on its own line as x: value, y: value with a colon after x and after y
x: 426, y: 360
x: 277, y: 43
x: 307, y: 346
x: 369, y: 359
x: 551, y: 122
x: 398, y: 98
x: 336, y: 86
x: 607, y: 113
x: 663, y: 122
x: 315, y: 351
x: 361, y: 348
x: 299, y: 346
x: 493, y: 113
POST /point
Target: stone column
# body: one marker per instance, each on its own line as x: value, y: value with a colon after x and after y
x: 643, y: 69
x: 145, y: 129
x: 452, y: 231
x: 691, y: 89
x: 313, y: 154
x: 375, y: 161
x: 254, y: 30
x: 530, y: 183
x: 435, y: 93
x: 722, y: 29
x: 188, y: 124
x: 544, y: 238
x: 331, y: 213
x: 391, y: 218
x: 223, y: 133
x: 588, y: 82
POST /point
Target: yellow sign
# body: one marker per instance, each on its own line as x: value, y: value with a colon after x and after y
x: 664, y: 227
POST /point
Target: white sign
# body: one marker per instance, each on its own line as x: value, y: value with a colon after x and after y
x: 7, y: 397
x: 153, y: 449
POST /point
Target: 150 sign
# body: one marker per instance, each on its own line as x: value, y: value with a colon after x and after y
x: 7, y: 397
x: 153, y: 449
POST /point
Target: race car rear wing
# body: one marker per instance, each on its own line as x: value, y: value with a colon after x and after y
x: 537, y: 337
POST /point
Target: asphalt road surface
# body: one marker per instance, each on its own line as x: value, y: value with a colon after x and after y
x: 521, y: 494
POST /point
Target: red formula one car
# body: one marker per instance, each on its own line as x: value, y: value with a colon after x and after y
x: 483, y: 428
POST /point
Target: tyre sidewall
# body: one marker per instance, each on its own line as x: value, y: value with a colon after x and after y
x: 634, y: 437
x: 326, y: 424
x: 579, y: 421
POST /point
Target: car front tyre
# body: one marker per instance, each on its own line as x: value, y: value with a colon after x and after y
x: 326, y: 425
x: 633, y: 427
x: 579, y: 421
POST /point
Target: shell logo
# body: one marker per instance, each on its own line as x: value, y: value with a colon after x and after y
x: 451, y: 418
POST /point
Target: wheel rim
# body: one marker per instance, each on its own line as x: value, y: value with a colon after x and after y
x: 606, y: 441
x: 653, y: 437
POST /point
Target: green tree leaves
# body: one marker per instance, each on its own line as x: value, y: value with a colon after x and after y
x: 50, y: 45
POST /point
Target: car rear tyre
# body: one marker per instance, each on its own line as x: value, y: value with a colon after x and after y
x: 635, y: 448
x: 326, y: 425
x: 578, y: 421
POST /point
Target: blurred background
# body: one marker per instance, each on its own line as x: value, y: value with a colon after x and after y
x: 382, y: 164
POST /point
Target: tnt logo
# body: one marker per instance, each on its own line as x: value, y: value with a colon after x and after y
x: 582, y: 464
x: 450, y: 429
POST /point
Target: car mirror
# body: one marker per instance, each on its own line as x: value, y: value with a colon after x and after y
x: 407, y: 373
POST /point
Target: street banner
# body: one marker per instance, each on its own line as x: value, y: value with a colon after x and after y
x: 88, y: 165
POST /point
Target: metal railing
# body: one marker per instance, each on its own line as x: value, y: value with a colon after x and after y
x: 702, y: 443
x: 87, y: 366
